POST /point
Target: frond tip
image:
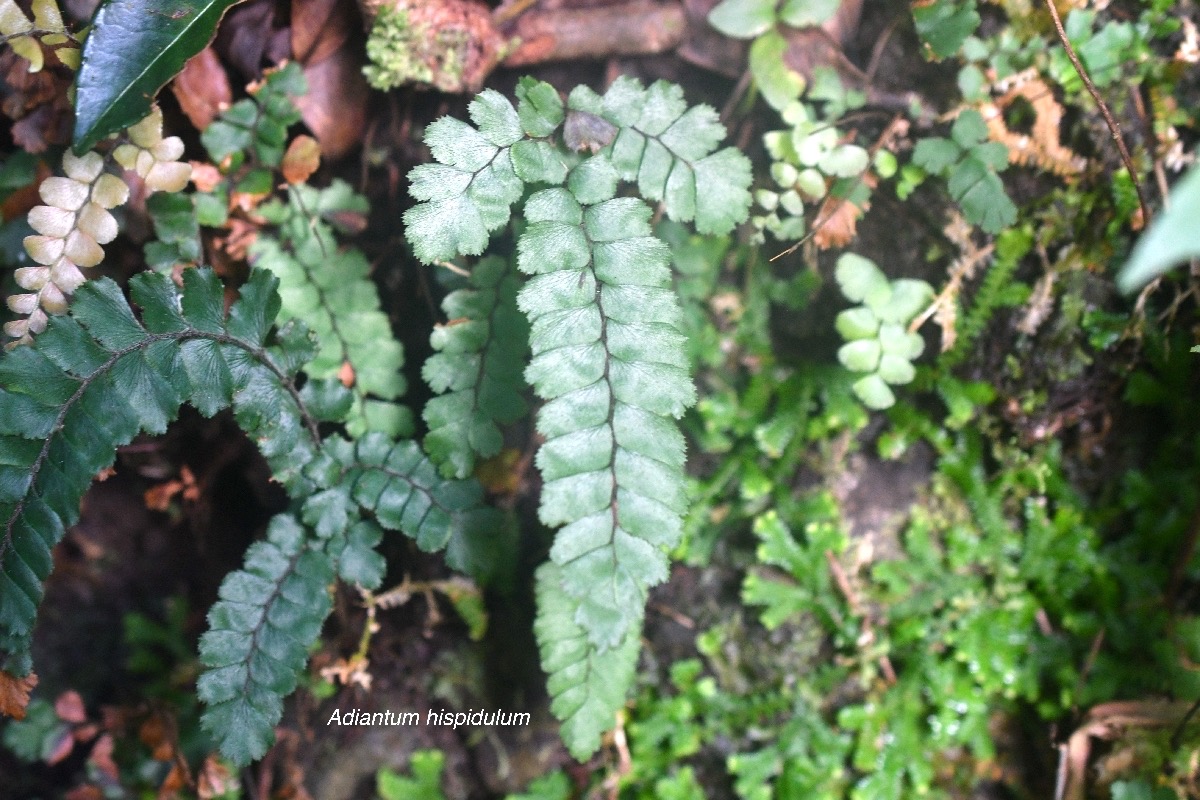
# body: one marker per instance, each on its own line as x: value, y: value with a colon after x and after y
x: 260, y: 630
x: 669, y: 150
x: 587, y: 684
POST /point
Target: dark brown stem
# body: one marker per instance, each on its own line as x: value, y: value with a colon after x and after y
x: 638, y: 27
x: 1187, y: 549
x: 1108, y: 117
x: 735, y: 97
x: 877, y: 50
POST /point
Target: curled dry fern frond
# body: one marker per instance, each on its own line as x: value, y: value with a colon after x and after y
x: 75, y: 220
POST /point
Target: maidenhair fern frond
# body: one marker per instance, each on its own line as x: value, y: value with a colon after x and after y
x: 607, y: 353
x: 481, y: 352
x: 609, y: 359
x: 98, y: 376
x: 95, y: 379
x: 329, y: 288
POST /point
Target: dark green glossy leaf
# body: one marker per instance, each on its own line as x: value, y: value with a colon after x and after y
x: 134, y: 48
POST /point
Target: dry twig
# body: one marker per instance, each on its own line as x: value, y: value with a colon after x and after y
x: 1113, y: 126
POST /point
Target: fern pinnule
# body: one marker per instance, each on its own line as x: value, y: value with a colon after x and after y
x: 154, y: 158
x: 470, y: 191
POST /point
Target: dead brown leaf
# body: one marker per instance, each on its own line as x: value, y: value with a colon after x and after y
x: 301, y: 160
x: 14, y: 693
x: 348, y: 222
x: 69, y: 707
x: 42, y: 127
x: 158, y: 498
x: 349, y: 672
x: 320, y: 28
x: 22, y: 200
x: 27, y: 133
x: 335, y: 108
x: 85, y: 732
x: 36, y: 102
x: 101, y: 757
x: 202, y: 88
x: 205, y: 177
x: 115, y: 718
x: 244, y: 38
x: 707, y: 47
x: 176, y: 779
x: 1110, y: 721
x: 837, y: 223
x: 248, y: 201
x: 501, y: 474
x: 291, y: 770
x: 242, y: 234
x: 154, y: 734
x: 191, y: 490
x: 1041, y: 146
x: 215, y: 779
x: 62, y: 747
